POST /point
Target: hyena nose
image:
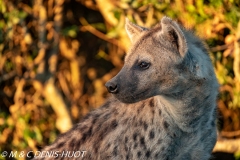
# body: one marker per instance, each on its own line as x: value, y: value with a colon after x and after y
x: 112, y: 87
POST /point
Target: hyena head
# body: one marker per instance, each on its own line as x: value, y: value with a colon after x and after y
x: 154, y: 65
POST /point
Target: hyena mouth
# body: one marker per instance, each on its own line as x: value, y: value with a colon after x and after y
x: 132, y: 98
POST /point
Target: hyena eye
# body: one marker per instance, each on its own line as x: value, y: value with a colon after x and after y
x: 144, y: 65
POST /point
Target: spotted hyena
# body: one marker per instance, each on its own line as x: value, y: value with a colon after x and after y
x: 163, y: 104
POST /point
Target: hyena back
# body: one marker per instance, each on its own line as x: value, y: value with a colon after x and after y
x: 164, y: 103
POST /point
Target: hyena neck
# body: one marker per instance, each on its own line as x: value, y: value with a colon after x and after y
x: 190, y: 111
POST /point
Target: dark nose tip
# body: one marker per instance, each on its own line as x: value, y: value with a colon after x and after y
x: 111, y: 87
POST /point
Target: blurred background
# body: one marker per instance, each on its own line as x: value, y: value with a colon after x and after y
x: 56, y: 56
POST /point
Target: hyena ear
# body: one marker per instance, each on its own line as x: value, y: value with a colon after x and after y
x: 173, y: 33
x: 133, y: 30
